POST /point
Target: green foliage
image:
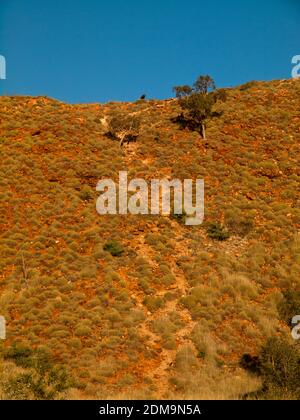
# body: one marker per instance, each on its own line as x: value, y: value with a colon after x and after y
x: 289, y: 306
x: 79, y: 301
x: 114, y: 248
x: 40, y: 385
x: 22, y: 356
x: 197, y: 103
x: 83, y: 331
x: 239, y: 223
x: 86, y: 193
x: 124, y: 127
x: 153, y: 303
x: 42, y: 379
x: 279, y: 367
x: 217, y: 232
x: 180, y: 218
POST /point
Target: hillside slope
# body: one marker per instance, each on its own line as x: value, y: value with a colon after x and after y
x: 172, y: 316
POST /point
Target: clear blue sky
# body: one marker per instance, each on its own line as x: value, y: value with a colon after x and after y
x: 101, y: 50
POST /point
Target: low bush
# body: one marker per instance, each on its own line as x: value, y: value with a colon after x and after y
x: 42, y: 379
x: 86, y: 193
x: 289, y: 306
x: 114, y: 248
x: 217, y: 232
x: 153, y: 303
x: 279, y: 367
x: 238, y: 223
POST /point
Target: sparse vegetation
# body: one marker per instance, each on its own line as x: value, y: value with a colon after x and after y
x: 98, y: 293
x: 289, y: 306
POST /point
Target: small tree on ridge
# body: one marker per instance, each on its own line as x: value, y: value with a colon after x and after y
x: 197, y: 103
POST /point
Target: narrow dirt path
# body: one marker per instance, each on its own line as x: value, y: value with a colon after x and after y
x: 161, y: 373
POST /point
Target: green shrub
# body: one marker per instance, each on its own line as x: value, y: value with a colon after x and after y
x: 186, y: 360
x: 114, y: 248
x: 40, y: 384
x: 238, y: 223
x: 279, y: 367
x: 86, y: 193
x: 42, y: 380
x: 22, y: 356
x: 217, y: 232
x: 180, y: 218
x: 153, y: 303
x: 289, y: 306
x: 83, y: 331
